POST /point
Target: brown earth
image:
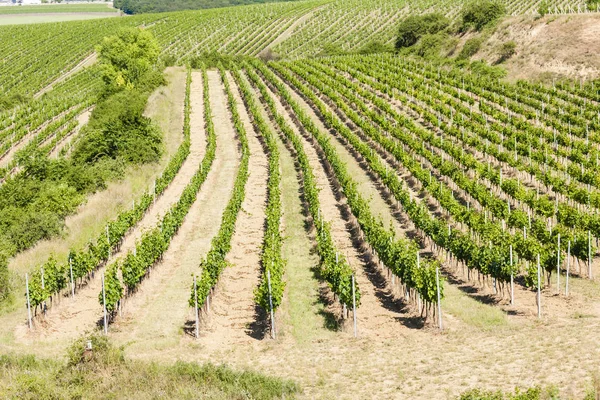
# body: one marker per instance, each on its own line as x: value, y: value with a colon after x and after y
x: 548, y: 47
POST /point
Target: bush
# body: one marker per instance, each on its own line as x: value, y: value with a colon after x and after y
x: 430, y: 45
x: 414, y: 27
x: 481, y: 13
x: 12, y: 100
x: 374, y: 47
x: 543, y: 8
x: 470, y: 48
x: 4, y: 281
x: 482, y: 68
x: 507, y: 50
x: 128, y: 59
x: 593, y: 5
x: 119, y: 130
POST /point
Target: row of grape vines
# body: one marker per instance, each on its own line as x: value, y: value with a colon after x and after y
x: 54, y: 276
x: 214, y: 262
x: 272, y: 285
x: 398, y: 254
x: 153, y: 244
x: 484, y: 209
x: 334, y: 268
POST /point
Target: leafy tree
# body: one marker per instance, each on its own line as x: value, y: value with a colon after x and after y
x: 128, y: 58
x: 481, y: 13
x: 414, y: 27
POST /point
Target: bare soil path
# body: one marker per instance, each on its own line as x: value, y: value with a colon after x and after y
x: 233, y: 309
x: 156, y: 314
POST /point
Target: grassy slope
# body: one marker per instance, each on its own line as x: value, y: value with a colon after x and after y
x: 105, y: 373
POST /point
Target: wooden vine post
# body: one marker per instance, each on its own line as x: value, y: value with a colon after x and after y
x: 354, y: 305
x: 196, y: 309
x: 28, y: 302
x: 558, y: 267
x: 568, y: 267
x: 512, y: 279
x: 590, y: 254
x: 72, y: 283
x: 539, y: 289
x: 439, y: 300
x: 104, y: 305
x: 271, y: 305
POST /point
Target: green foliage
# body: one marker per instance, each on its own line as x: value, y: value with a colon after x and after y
x: 481, y: 68
x: 215, y: 60
x: 119, y: 130
x: 414, y: 27
x: 104, y: 373
x: 128, y: 58
x: 507, y: 50
x: 12, y: 100
x: 480, y: 13
x: 543, y: 8
x: 4, y: 277
x: 430, y: 45
x: 470, y: 48
x: 593, y: 5
x: 374, y: 47
x: 534, y: 393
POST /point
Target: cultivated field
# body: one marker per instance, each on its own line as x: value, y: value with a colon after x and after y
x: 311, y: 185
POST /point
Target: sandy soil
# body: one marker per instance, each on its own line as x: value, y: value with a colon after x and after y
x: 233, y: 312
x: 550, y: 47
x: 156, y: 314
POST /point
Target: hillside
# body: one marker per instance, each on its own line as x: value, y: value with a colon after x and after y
x: 549, y: 48
x: 337, y: 199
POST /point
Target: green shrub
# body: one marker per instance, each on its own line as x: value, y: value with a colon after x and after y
x: 430, y: 46
x: 507, y: 50
x: 414, y: 27
x: 470, y: 48
x: 119, y: 130
x: 7, y: 102
x: 543, y: 8
x: 482, y: 68
x: 534, y: 393
x: 128, y: 59
x: 593, y: 5
x: 4, y: 277
x: 375, y: 47
x: 481, y: 13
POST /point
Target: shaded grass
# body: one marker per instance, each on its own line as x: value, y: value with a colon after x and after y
x: 104, y: 373
x: 471, y: 311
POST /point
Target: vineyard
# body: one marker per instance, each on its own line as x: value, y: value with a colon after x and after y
x: 363, y: 224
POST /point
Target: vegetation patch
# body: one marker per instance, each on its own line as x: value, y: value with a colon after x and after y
x: 97, y: 369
